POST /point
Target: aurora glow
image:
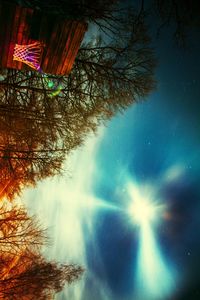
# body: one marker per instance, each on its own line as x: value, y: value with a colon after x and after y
x: 151, y: 266
x: 154, y: 279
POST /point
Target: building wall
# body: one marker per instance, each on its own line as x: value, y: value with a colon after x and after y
x: 61, y: 38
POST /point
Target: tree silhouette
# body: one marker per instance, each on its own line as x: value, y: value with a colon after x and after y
x: 36, y: 131
x: 24, y: 272
x: 32, y: 278
x: 86, y: 9
x: 112, y: 75
x: 19, y: 232
x: 44, y: 117
x: 182, y: 15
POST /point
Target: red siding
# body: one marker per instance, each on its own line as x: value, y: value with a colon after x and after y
x: 60, y: 48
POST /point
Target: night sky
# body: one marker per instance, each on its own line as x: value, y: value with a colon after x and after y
x: 151, y: 151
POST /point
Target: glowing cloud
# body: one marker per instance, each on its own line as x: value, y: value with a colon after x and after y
x: 154, y: 280
x: 64, y: 205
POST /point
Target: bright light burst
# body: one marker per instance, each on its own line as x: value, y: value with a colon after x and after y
x: 142, y: 211
x: 154, y: 279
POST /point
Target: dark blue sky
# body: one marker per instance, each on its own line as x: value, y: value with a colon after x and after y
x: 153, y: 140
